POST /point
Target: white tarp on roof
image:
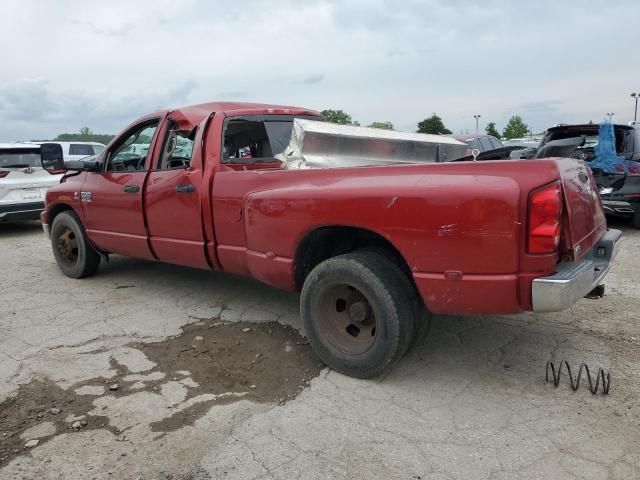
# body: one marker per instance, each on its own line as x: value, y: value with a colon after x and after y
x: 328, y: 145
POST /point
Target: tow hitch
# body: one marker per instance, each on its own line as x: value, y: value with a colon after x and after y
x: 597, y: 292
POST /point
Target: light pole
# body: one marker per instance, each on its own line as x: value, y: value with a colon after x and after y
x: 477, y: 117
x: 635, y: 115
x: 610, y: 115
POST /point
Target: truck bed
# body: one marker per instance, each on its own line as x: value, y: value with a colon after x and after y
x: 460, y: 226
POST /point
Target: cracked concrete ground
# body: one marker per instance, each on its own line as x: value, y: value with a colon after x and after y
x: 469, y: 402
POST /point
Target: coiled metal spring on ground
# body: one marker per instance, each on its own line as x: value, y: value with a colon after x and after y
x: 575, y: 384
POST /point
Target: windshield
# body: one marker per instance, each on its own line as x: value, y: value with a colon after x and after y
x: 20, y: 158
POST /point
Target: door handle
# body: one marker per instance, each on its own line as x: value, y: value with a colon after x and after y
x: 185, y: 188
x: 131, y: 188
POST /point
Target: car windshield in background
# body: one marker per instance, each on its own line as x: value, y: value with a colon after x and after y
x: 20, y: 158
x: 472, y: 142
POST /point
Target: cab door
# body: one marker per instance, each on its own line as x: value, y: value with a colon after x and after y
x: 112, y: 198
x: 173, y: 196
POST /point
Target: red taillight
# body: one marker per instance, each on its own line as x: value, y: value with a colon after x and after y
x: 4, y: 173
x: 545, y: 208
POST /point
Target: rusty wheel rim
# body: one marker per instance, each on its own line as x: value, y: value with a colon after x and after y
x: 67, y: 246
x: 346, y: 319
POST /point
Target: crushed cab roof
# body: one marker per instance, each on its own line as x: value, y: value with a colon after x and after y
x: 193, y: 115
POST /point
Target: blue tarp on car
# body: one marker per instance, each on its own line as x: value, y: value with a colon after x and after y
x: 606, y: 157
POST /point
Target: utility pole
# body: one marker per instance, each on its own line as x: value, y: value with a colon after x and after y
x: 477, y: 117
x: 635, y: 115
x: 610, y: 115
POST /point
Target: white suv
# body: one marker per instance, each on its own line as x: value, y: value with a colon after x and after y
x: 23, y: 182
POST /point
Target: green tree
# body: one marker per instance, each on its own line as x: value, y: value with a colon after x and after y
x: 515, y: 128
x: 492, y: 130
x: 433, y: 125
x: 382, y: 125
x: 85, y: 132
x: 85, y: 135
x: 338, y: 116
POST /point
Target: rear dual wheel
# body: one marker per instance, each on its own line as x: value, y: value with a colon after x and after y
x: 360, y: 313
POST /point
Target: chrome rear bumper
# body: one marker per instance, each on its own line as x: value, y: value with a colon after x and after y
x: 573, y: 280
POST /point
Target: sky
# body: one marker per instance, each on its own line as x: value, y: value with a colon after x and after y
x: 69, y: 64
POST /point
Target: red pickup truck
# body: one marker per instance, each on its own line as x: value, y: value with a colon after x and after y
x: 372, y: 249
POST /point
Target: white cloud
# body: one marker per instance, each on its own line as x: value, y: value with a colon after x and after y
x: 69, y: 64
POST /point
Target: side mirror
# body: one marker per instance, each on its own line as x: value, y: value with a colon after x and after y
x: 89, y: 163
x: 51, y: 157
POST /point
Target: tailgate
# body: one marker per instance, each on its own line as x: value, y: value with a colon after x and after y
x: 583, y: 221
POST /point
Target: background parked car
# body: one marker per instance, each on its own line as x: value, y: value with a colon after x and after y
x: 619, y: 190
x: 488, y: 145
x: 78, y: 150
x: 23, y: 182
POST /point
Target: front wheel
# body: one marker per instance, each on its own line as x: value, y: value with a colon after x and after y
x: 74, y: 255
x: 358, y: 312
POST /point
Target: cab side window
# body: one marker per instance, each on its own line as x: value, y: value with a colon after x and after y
x: 130, y: 153
x: 177, y: 148
x: 254, y: 141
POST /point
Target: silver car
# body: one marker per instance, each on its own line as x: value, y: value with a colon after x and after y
x: 23, y: 182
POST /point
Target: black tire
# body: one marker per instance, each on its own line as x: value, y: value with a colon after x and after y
x: 369, y: 283
x: 423, y: 321
x: 423, y: 315
x: 73, y: 252
x: 636, y: 220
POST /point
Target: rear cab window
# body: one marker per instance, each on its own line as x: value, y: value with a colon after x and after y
x: 256, y: 138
